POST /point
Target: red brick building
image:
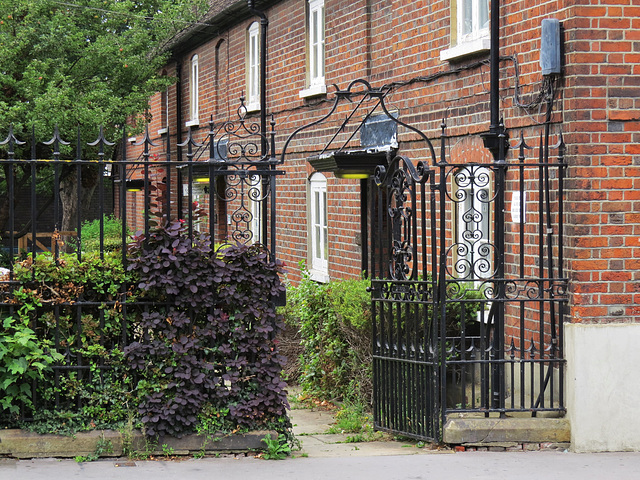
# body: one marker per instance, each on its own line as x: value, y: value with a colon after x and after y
x: 434, y: 59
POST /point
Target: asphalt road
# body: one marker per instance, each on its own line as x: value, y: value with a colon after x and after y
x: 547, y: 465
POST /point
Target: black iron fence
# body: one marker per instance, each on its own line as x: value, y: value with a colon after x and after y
x: 468, y: 288
x: 68, y: 212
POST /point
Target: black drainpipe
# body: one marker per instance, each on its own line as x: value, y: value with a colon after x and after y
x: 264, y: 22
x: 497, y: 137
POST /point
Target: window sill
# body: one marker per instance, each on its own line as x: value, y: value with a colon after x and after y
x: 466, y: 49
x: 252, y: 107
x: 192, y: 123
x: 162, y: 131
x: 318, y: 276
x: 313, y: 91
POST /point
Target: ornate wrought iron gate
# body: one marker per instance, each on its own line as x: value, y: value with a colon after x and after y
x: 468, y: 289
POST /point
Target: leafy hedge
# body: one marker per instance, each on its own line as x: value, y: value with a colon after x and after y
x: 334, y: 323
x: 44, y: 312
x: 191, y: 349
x: 334, y: 320
x: 208, y: 342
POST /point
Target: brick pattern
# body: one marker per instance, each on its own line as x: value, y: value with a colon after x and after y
x: 602, y: 112
x: 386, y: 41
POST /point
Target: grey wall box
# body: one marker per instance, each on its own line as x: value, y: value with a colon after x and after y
x: 550, y: 48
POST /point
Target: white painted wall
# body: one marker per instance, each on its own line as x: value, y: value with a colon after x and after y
x: 603, y: 386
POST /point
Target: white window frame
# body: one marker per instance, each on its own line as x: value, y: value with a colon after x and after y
x: 194, y: 93
x: 315, y: 49
x: 256, y: 208
x: 318, y: 228
x: 477, y: 39
x: 479, y: 26
x: 253, y: 68
x: 164, y: 114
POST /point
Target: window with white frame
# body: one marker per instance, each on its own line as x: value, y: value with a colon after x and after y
x: 194, y: 92
x: 473, y: 19
x: 164, y: 112
x: 472, y: 216
x: 469, y: 29
x: 315, y: 46
x: 318, y: 228
x: 253, y: 67
x: 164, y: 109
x: 255, y: 199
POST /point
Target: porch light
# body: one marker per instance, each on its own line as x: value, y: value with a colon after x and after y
x: 199, y: 171
x: 351, y: 174
x: 134, y: 185
x: 358, y: 164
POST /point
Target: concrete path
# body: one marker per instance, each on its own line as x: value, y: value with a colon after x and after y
x: 310, y: 427
x: 547, y: 465
x: 326, y: 457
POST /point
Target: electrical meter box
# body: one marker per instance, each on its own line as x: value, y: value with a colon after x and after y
x: 550, y: 51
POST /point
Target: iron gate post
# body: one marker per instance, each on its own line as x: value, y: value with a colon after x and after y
x: 498, y: 378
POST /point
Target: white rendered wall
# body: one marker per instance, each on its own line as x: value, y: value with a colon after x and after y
x: 603, y: 386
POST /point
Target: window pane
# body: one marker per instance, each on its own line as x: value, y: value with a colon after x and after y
x: 316, y: 42
x: 325, y: 228
x: 318, y: 234
x: 321, y: 47
x: 467, y: 17
x: 483, y: 13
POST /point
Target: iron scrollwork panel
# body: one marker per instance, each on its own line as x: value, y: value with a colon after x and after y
x: 402, y: 181
x: 472, y: 252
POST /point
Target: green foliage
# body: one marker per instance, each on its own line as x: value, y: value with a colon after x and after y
x: 167, y: 451
x: 24, y: 358
x: 48, y: 325
x: 91, y: 64
x: 335, y: 325
x: 276, y: 448
x: 212, y: 420
x: 66, y: 278
x: 103, y: 447
x: 112, y: 235
x: 352, y: 418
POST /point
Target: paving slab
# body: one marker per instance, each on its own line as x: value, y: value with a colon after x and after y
x: 311, y: 425
x: 311, y: 421
x: 496, y: 430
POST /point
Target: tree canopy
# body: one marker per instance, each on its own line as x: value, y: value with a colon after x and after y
x: 78, y: 64
x: 84, y: 62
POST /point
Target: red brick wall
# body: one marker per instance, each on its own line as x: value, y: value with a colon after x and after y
x: 602, y: 122
x: 398, y: 43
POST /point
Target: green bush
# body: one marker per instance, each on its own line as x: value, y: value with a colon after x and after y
x: 24, y: 357
x: 47, y: 327
x: 334, y: 321
x: 112, y: 228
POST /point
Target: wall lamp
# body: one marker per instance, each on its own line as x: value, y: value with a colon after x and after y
x: 359, y: 164
x: 134, y: 185
x: 200, y: 170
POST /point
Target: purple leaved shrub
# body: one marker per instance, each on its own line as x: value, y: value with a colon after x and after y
x: 206, y: 336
